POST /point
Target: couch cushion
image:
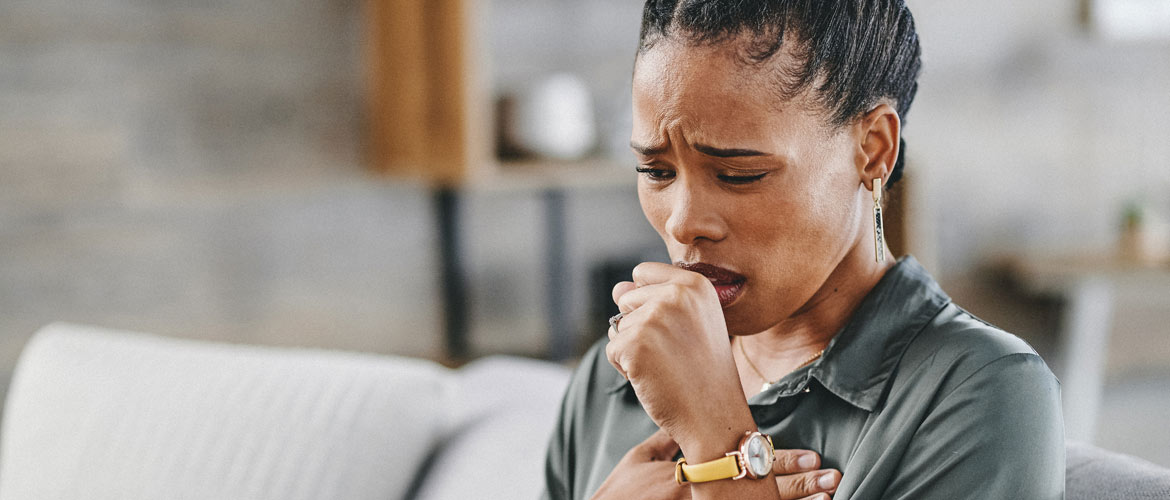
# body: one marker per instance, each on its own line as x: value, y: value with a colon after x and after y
x: 1096, y: 474
x: 99, y: 414
x: 507, y: 408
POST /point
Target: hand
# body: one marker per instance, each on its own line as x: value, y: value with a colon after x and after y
x: 645, y: 472
x: 797, y: 476
x: 672, y: 345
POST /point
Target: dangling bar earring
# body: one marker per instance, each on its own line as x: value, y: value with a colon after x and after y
x: 879, y: 242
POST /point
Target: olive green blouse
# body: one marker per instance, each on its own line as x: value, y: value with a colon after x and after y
x: 915, y: 398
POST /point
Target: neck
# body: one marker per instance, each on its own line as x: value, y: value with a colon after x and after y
x: 783, y: 347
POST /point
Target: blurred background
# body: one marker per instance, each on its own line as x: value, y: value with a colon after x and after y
x: 451, y: 179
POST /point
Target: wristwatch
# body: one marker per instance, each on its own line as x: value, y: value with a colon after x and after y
x: 753, y: 459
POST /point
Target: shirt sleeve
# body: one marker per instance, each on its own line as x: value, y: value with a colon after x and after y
x: 998, y: 434
x: 556, y: 473
x: 560, y: 459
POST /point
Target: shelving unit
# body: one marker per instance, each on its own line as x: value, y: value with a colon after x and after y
x: 430, y: 115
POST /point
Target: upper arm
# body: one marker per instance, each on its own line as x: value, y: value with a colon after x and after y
x: 998, y: 434
x: 560, y: 460
x: 558, y: 463
x: 555, y: 471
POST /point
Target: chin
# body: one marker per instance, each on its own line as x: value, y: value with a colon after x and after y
x: 745, y: 318
x: 738, y: 324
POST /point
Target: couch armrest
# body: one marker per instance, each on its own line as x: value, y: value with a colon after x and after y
x: 507, y: 408
x: 98, y: 414
x: 1095, y: 474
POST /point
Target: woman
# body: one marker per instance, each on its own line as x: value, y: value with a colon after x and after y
x: 765, y: 133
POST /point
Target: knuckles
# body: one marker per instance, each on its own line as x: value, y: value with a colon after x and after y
x: 808, y: 484
x: 612, y: 353
x: 642, y: 270
x: 785, y: 463
x: 697, y: 281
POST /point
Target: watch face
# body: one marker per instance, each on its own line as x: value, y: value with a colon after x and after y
x: 759, y: 455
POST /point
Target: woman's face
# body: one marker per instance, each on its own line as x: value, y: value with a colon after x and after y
x: 734, y: 177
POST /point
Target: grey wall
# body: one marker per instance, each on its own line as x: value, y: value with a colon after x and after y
x: 1030, y: 134
x: 195, y: 170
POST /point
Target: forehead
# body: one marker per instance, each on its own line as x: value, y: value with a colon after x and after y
x: 710, y: 95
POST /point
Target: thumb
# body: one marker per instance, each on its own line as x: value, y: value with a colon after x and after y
x: 659, y: 446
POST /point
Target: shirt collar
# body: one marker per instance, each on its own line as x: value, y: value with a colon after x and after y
x: 861, y: 358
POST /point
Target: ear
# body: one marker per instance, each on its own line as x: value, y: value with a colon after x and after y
x: 877, y: 134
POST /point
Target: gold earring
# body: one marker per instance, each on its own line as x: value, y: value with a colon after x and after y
x: 879, y: 242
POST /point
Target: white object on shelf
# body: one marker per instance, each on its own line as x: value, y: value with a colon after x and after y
x: 1130, y: 19
x: 554, y: 118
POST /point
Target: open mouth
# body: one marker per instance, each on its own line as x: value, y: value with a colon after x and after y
x: 728, y: 284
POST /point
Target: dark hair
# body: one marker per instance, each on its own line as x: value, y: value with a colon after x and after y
x: 856, y: 53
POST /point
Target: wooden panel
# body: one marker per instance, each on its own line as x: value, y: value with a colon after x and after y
x: 418, y: 88
x: 447, y: 81
x: 397, y: 93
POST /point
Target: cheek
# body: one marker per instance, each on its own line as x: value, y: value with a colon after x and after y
x: 801, y: 229
x: 827, y: 221
x: 827, y: 204
x: 654, y: 207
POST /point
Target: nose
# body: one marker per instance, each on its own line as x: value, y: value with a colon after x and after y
x: 694, y: 214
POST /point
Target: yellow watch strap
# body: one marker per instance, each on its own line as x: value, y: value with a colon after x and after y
x: 723, y: 468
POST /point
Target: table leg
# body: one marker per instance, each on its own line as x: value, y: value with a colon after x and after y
x: 1083, y: 344
x: 454, y: 288
x: 560, y: 333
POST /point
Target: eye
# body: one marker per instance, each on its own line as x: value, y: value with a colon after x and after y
x: 655, y: 174
x: 741, y: 179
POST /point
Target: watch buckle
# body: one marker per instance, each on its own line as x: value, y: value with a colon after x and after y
x: 740, y: 462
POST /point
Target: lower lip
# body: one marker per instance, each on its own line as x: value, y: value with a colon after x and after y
x: 728, y: 292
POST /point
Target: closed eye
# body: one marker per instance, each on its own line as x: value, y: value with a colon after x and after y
x: 741, y: 179
x: 655, y: 174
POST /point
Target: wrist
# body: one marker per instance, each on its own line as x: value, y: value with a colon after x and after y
x: 713, y: 441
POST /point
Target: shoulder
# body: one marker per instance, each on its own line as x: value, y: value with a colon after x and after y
x: 977, y: 396
x: 956, y: 345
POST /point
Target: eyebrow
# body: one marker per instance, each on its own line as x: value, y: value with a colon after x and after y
x: 727, y: 153
x: 648, y: 150
x: 702, y: 148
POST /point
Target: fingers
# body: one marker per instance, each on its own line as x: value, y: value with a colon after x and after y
x: 658, y: 447
x: 629, y: 295
x: 806, y: 484
x: 611, y: 352
x: 633, y: 299
x: 797, y: 475
x: 793, y: 461
x: 650, y: 273
x: 621, y: 288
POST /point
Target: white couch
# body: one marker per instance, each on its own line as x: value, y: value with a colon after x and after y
x: 99, y: 414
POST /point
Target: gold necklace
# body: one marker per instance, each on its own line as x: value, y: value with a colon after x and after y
x: 768, y: 383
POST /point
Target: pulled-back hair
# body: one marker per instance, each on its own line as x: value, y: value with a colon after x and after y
x: 852, y: 54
